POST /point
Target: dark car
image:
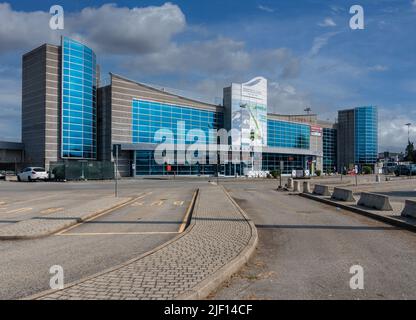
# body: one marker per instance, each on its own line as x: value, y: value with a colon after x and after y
x: 405, y: 170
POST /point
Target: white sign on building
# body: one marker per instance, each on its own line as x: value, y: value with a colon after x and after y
x: 249, y: 113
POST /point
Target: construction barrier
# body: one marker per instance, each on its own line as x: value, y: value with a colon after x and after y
x: 296, y: 186
x: 409, y: 209
x: 343, y: 195
x: 321, y: 190
x: 290, y: 183
x: 306, y: 187
x: 375, y: 201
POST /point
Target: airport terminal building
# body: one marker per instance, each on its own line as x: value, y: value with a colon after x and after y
x: 68, y: 118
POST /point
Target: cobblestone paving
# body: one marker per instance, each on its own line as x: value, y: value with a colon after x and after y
x: 51, y: 223
x: 218, y: 234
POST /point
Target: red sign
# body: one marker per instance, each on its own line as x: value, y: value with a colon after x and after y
x: 169, y: 168
x: 316, y: 131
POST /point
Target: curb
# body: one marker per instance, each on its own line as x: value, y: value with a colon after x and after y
x: 187, y: 230
x: 212, y: 282
x: 388, y: 220
x: 70, y: 223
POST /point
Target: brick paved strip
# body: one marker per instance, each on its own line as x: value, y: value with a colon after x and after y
x: 218, y: 241
x: 46, y: 225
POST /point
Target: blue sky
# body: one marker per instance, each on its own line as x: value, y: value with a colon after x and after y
x: 305, y: 48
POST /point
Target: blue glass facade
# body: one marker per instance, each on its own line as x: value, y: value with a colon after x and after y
x: 329, y: 141
x: 79, y: 91
x: 149, y: 117
x: 366, y: 135
x: 281, y: 134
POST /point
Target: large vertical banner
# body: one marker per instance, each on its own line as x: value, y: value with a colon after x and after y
x: 249, y: 116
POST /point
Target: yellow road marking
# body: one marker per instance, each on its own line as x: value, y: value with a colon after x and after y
x: 103, y: 213
x: 157, y: 203
x: 137, y: 204
x: 179, y: 203
x: 115, y: 233
x: 51, y: 210
x: 20, y: 210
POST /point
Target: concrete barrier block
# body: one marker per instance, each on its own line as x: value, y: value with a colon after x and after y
x: 321, y: 190
x: 409, y: 209
x: 290, y: 183
x: 296, y: 186
x: 306, y: 187
x: 375, y: 201
x: 343, y: 195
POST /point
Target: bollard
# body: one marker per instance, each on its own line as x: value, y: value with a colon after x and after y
x: 306, y: 187
x: 290, y: 183
x: 296, y: 186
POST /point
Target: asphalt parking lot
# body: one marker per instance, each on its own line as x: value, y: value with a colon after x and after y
x: 87, y: 248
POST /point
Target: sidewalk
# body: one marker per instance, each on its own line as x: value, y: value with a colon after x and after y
x: 218, y: 242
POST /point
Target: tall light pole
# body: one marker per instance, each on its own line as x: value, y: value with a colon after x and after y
x: 408, y: 131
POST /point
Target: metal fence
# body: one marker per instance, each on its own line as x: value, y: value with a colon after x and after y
x: 82, y: 170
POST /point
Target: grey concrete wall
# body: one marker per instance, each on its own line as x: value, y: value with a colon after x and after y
x: 40, y: 105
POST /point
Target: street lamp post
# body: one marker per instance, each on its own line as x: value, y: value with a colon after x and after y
x: 408, y: 131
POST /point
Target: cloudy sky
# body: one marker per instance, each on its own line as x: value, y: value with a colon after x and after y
x: 305, y: 48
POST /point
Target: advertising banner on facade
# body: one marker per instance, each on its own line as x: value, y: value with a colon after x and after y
x: 249, y: 113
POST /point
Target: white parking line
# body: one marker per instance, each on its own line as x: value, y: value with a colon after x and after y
x: 178, y: 203
x: 20, y: 210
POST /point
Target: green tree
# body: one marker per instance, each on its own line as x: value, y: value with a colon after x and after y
x: 410, y: 152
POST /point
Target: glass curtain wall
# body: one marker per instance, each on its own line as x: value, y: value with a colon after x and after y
x: 79, y: 108
x: 366, y: 135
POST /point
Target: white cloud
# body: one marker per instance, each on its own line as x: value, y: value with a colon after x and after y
x: 414, y: 3
x: 392, y: 130
x: 285, y: 99
x: 378, y: 68
x: 221, y: 56
x: 23, y: 30
x: 265, y: 8
x: 337, y: 9
x: 10, y: 101
x: 328, y: 22
x: 320, y: 42
x: 108, y: 28
x: 122, y: 30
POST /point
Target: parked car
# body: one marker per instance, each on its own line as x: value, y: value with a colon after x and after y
x: 2, y: 175
x: 389, y: 167
x: 405, y: 170
x: 33, y: 174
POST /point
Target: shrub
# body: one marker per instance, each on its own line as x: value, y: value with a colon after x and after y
x: 367, y: 170
x: 318, y: 173
x: 275, y: 173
